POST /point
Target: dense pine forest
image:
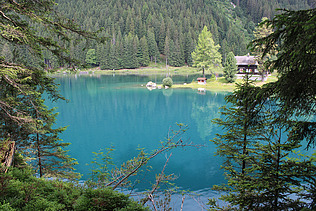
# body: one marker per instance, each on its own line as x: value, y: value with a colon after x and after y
x: 140, y: 32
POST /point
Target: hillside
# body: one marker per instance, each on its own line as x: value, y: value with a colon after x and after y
x: 256, y: 9
x: 146, y: 30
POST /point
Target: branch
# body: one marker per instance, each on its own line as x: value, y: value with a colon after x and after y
x: 4, y: 106
x: 7, y: 18
x: 168, y: 145
x: 182, y: 203
x: 128, y: 175
x: 157, y: 181
x: 153, y: 202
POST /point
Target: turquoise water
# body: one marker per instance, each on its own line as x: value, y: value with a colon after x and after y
x: 118, y: 111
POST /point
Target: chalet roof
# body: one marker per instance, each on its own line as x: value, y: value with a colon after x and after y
x: 246, y: 60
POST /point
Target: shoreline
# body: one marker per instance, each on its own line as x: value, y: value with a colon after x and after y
x: 218, y: 84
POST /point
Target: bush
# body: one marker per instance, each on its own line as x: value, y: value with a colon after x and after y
x: 20, y: 190
x: 167, y: 82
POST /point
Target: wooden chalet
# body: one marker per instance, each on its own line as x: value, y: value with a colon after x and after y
x: 247, y: 65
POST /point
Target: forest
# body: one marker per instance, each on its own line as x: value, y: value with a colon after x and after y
x: 140, y: 32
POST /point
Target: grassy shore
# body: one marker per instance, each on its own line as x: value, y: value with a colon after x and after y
x: 152, y: 69
x: 219, y: 84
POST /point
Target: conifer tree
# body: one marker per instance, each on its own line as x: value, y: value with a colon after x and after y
x: 91, y: 58
x: 80, y: 49
x: 162, y: 37
x: 119, y: 46
x: 230, y: 68
x: 206, y: 55
x: 167, y: 49
x: 176, y: 58
x: 113, y: 59
x: 262, y: 31
x: 295, y: 63
x: 188, y: 49
x: 171, y: 55
x: 47, y: 149
x: 143, y: 50
x: 129, y: 59
x: 260, y: 174
x: 23, y: 82
x: 136, y: 47
x: 104, y: 60
x: 243, y: 129
x: 99, y: 51
x: 152, y: 46
x: 127, y: 56
x: 277, y: 177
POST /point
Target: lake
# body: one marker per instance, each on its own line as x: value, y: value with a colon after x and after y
x: 119, y: 111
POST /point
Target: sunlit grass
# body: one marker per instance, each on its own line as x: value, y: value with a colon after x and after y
x: 153, y: 68
x: 213, y: 84
x: 220, y: 84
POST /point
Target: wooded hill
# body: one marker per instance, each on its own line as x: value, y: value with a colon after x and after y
x: 140, y: 31
x: 257, y: 9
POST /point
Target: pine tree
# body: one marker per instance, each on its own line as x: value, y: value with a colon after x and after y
x: 295, y: 64
x: 126, y: 56
x: 167, y: 50
x: 91, y: 58
x: 129, y: 59
x: 262, y: 31
x: 79, y: 49
x: 172, y: 54
x: 98, y: 52
x: 162, y: 37
x: 136, y: 47
x: 230, y: 68
x: 241, y: 122
x: 176, y: 58
x: 113, y: 61
x: 24, y: 82
x: 50, y: 157
x: 206, y: 55
x: 260, y: 175
x: 276, y: 177
x: 119, y: 46
x: 188, y: 48
x: 152, y: 46
x: 104, y: 60
x: 143, y: 49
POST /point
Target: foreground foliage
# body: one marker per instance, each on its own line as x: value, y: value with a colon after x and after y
x: 20, y: 190
x: 294, y: 38
x: 266, y: 171
x: 24, y: 84
x: 260, y: 163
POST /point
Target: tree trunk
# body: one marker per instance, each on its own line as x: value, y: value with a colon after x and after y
x: 9, y: 155
x: 276, y: 193
x: 39, y: 156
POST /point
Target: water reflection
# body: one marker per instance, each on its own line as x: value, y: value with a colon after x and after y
x: 204, y: 111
